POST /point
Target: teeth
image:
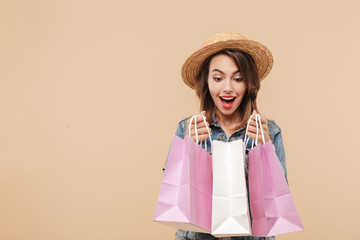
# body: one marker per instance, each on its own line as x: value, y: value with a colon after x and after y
x: 225, y: 98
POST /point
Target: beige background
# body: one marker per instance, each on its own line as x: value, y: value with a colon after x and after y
x: 91, y: 94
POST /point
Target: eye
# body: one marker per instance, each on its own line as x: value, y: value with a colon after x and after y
x: 239, y: 79
x: 217, y: 79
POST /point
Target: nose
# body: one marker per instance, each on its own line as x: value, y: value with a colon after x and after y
x: 227, y: 88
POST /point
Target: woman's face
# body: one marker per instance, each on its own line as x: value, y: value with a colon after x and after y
x: 226, y: 85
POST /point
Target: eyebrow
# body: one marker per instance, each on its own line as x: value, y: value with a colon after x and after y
x: 237, y: 71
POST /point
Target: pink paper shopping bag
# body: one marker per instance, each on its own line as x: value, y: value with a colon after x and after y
x: 185, y: 198
x: 272, y: 206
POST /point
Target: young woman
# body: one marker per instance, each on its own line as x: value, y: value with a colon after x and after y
x: 226, y: 74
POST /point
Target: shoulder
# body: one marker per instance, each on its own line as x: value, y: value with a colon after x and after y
x: 181, y: 128
x: 274, y: 129
x: 184, y: 121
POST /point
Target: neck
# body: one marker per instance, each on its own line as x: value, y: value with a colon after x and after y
x: 229, y: 121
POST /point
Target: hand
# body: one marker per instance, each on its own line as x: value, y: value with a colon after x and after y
x: 201, y: 128
x: 252, y: 129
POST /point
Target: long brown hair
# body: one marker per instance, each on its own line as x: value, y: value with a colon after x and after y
x: 248, y: 70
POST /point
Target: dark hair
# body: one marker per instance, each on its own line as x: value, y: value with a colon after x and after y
x: 248, y: 70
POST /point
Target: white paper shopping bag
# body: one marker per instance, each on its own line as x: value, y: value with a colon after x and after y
x: 230, y: 211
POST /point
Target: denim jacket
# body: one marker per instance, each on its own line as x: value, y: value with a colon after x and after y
x: 217, y: 133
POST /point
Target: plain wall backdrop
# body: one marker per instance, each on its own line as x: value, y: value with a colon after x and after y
x: 91, y: 94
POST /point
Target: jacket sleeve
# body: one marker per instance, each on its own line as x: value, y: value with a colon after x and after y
x: 280, y: 151
x: 180, y: 132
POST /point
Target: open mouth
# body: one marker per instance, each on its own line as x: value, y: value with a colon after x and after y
x: 227, y: 101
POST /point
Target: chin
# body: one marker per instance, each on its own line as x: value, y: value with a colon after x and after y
x: 227, y: 112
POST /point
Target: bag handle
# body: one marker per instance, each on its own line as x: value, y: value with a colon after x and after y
x: 247, y: 129
x: 190, y: 123
x: 208, y: 130
x: 261, y: 128
x: 258, y: 122
x: 196, y: 132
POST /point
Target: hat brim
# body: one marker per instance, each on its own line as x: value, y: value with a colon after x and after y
x: 261, y: 55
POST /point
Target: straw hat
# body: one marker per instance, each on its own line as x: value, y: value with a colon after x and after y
x: 261, y: 55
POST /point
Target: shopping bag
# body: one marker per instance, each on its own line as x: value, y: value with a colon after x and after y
x: 230, y: 211
x: 272, y: 206
x: 185, y: 198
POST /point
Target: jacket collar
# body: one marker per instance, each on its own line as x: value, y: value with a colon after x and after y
x: 217, y: 124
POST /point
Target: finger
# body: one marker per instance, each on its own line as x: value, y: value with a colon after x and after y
x: 253, y: 118
x: 203, y: 130
x: 199, y: 120
x: 262, y: 118
x: 200, y: 117
x: 264, y: 127
x: 192, y: 122
x: 264, y: 124
x: 200, y: 137
x: 200, y: 128
x: 203, y: 137
x: 201, y: 124
x: 253, y: 136
x: 252, y: 130
x: 252, y: 123
x: 200, y: 131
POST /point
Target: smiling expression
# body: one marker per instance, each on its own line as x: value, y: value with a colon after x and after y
x: 226, y: 85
